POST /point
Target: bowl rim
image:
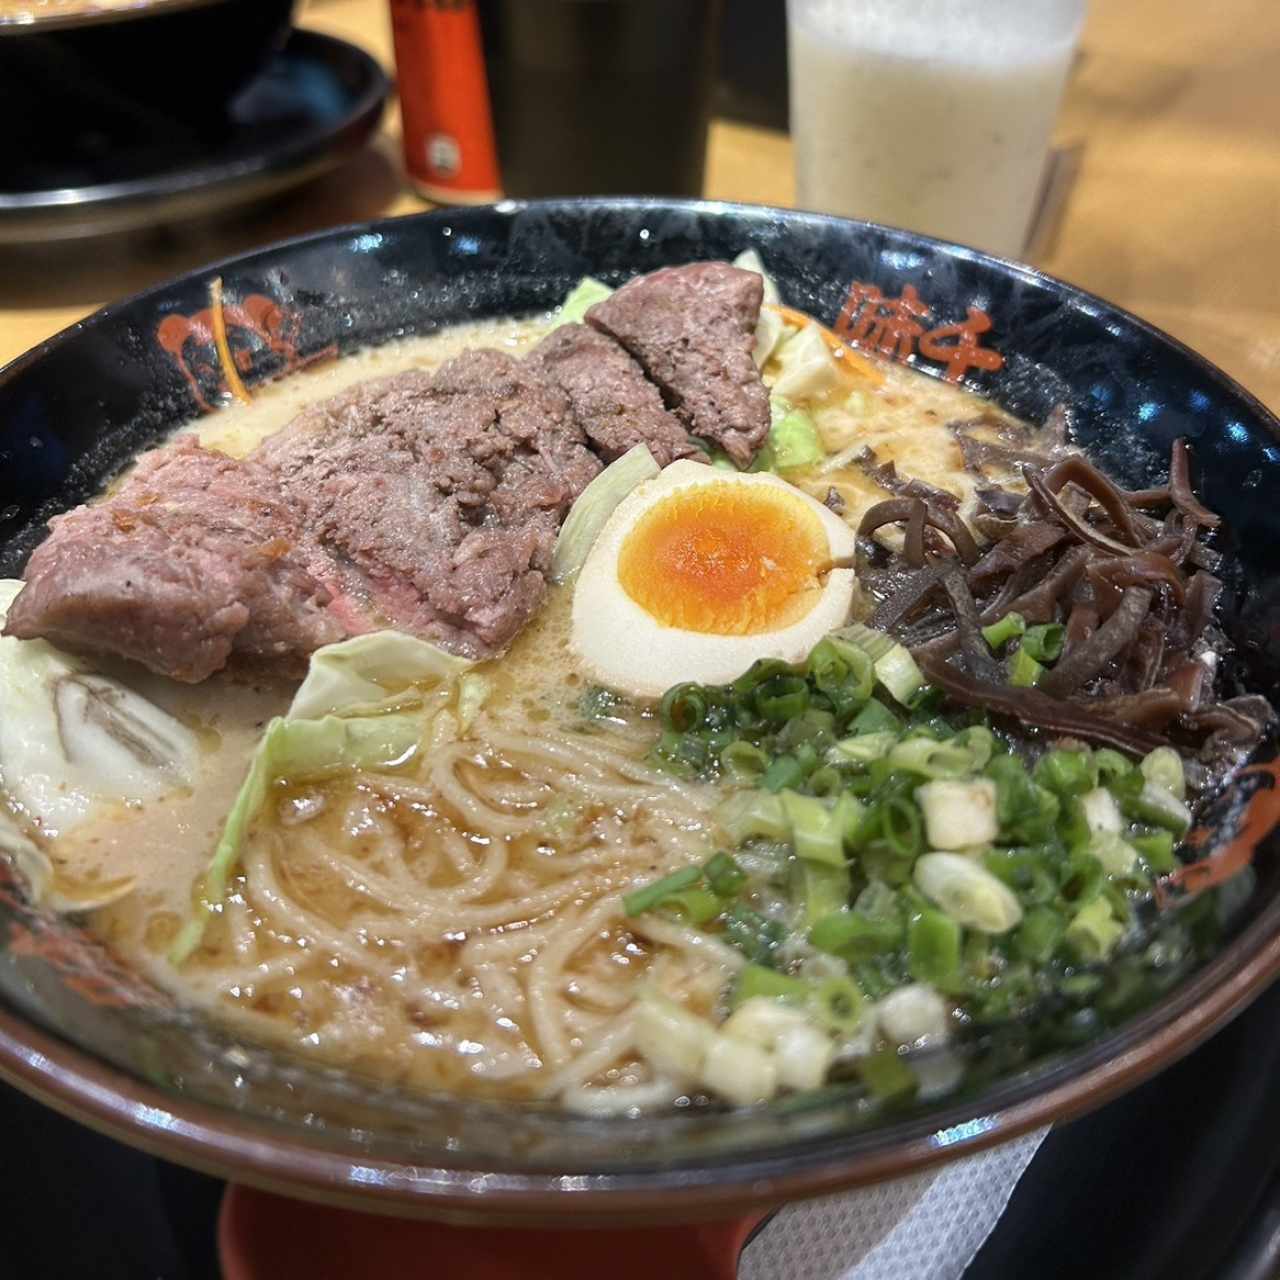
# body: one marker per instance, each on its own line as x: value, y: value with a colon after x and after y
x: 222, y: 1141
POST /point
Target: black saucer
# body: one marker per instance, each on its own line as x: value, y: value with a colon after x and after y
x: 318, y: 101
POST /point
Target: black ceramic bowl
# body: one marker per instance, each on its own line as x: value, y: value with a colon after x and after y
x: 98, y: 1044
x: 157, y: 68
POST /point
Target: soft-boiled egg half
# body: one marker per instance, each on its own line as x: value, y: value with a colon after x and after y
x: 699, y: 572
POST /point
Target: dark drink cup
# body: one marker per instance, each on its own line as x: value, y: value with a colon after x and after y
x: 600, y: 97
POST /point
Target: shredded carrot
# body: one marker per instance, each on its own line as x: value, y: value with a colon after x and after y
x: 851, y: 361
x: 229, y: 370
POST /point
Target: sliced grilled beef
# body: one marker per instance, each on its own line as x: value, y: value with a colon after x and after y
x: 193, y: 558
x: 439, y: 497
x: 425, y: 502
x: 692, y: 329
x: 612, y: 400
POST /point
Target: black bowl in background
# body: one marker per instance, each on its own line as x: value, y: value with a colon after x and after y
x: 95, y: 1041
x: 163, y: 70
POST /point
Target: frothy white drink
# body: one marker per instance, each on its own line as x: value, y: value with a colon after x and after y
x: 928, y: 114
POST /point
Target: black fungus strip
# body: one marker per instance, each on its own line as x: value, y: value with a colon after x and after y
x: 885, y: 474
x: 1110, y: 640
x: 1079, y: 471
x: 1151, y: 709
x: 1145, y: 569
x: 1077, y: 524
x: 1025, y: 543
x: 1180, y: 488
x: 1197, y: 609
x: 913, y: 535
x: 910, y: 595
x: 1037, y: 710
x: 897, y: 510
x: 974, y: 650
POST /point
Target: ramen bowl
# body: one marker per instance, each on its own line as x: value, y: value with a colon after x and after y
x: 88, y: 1037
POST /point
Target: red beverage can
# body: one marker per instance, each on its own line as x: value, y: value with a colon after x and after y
x: 446, y: 117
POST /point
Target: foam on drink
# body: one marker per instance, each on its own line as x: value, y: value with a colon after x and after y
x: 929, y: 114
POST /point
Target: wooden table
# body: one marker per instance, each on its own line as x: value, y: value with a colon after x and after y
x: 1174, y: 213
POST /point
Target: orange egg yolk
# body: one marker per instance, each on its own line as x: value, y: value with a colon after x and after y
x: 725, y: 559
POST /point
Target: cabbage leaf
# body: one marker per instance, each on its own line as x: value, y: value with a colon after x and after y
x: 593, y: 507
x: 584, y: 295
x: 807, y: 369
x: 750, y: 260
x: 370, y: 702
x: 372, y: 673
x: 71, y: 739
x: 296, y: 749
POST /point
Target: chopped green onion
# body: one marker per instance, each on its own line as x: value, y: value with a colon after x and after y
x: 599, y: 703
x: 1094, y: 931
x: 1010, y: 627
x: 1029, y: 871
x: 1111, y: 765
x: 1161, y: 808
x: 684, y: 707
x: 748, y: 815
x: 1044, y: 643
x: 815, y: 726
x: 1157, y: 851
x: 1115, y: 853
x: 1083, y: 878
x: 875, y: 717
x: 785, y: 771
x: 696, y: 905
x: 856, y: 933
x: 757, y: 673
x: 896, y: 823
x: 744, y: 762
x: 1073, y: 824
x: 726, y: 878
x: 1024, y: 670
x: 782, y: 698
x: 959, y: 813
x: 894, y: 666
x: 755, y: 980
x: 886, y: 1076
x: 1026, y: 813
x: 819, y: 888
x: 680, y: 754
x: 826, y: 781
x: 933, y: 948
x: 817, y: 829
x: 864, y: 748
x: 648, y: 897
x: 1163, y: 768
x: 967, y: 892
x: 1039, y: 934
x: 1066, y: 773
x: 752, y: 934
x: 837, y: 1004
x: 842, y: 671
x: 966, y: 753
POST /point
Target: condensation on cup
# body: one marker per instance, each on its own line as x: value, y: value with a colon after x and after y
x: 932, y: 115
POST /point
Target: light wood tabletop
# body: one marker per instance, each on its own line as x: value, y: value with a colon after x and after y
x: 1173, y: 110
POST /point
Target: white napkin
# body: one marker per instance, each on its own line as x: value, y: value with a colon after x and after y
x: 927, y: 1226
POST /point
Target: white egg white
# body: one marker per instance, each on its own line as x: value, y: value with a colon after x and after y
x: 622, y: 646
